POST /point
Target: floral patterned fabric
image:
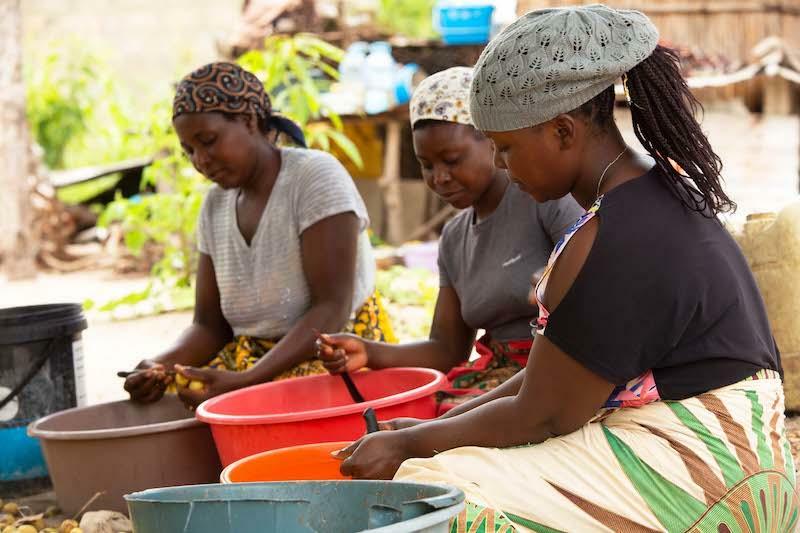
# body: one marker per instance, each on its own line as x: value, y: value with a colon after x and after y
x: 443, y: 96
x: 369, y: 322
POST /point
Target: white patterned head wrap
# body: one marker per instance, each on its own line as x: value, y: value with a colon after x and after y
x: 443, y: 96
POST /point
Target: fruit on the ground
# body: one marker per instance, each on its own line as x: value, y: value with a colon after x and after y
x: 11, y: 508
x: 68, y: 526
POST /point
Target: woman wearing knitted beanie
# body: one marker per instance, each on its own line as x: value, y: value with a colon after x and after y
x: 652, y: 400
x: 487, y: 254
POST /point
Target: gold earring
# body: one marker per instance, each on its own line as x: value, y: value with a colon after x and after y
x: 625, y: 88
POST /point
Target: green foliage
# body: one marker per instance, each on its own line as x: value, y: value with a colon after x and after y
x: 408, y: 286
x: 410, y: 295
x: 295, y: 71
x: 374, y: 240
x: 114, y: 131
x: 165, y: 221
x: 79, y: 114
x: 61, y: 89
x: 81, y: 192
x: 411, y: 18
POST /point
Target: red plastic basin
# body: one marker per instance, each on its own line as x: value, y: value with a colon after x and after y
x: 309, y: 462
x: 314, y: 409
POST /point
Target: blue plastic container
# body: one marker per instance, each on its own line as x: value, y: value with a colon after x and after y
x: 41, y: 372
x: 462, y: 22
x: 297, y: 507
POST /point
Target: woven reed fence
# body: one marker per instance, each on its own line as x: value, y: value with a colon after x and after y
x: 724, y: 28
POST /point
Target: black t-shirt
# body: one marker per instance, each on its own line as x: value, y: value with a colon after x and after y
x: 664, y: 289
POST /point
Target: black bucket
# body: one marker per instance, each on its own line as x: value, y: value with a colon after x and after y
x: 41, y: 372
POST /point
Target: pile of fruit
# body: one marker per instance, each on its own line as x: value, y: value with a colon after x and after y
x: 14, y: 519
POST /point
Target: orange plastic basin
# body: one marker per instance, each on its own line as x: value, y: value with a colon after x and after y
x: 297, y: 463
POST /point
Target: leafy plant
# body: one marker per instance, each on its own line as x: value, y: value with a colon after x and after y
x: 412, y: 18
x: 295, y: 71
x: 411, y: 293
x: 165, y: 221
x: 79, y: 114
x: 114, y: 131
x: 81, y: 192
x: 61, y: 89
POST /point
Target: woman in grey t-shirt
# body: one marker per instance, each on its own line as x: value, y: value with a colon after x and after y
x: 282, y: 241
x: 487, y: 253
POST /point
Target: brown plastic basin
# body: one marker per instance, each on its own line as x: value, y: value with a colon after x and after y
x: 123, y: 447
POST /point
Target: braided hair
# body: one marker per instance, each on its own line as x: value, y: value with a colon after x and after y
x: 663, y: 114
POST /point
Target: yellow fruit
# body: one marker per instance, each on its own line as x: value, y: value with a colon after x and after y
x: 11, y: 508
x: 6, y: 519
x: 39, y: 524
x: 76, y: 530
x: 181, y: 380
x: 27, y: 528
x: 67, y: 526
x: 196, y: 385
x: 9, y: 529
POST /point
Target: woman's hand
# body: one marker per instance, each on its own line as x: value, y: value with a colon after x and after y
x: 375, y: 456
x: 204, y: 383
x: 342, y: 352
x: 148, y: 382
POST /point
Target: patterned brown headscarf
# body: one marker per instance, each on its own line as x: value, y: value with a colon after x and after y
x: 228, y: 88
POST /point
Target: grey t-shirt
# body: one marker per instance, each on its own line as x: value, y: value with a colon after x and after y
x: 262, y: 287
x: 489, y: 263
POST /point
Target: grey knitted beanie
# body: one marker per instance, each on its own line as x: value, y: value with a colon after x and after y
x: 552, y: 61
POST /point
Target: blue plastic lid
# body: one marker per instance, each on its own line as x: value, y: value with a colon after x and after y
x: 465, y: 3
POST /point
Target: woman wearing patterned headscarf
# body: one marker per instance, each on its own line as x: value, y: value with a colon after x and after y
x: 282, y: 240
x: 653, y: 398
x: 487, y: 253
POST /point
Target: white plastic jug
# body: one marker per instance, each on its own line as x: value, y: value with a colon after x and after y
x: 379, y: 75
x: 348, y: 94
x: 351, y: 68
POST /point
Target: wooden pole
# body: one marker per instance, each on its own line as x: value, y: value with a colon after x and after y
x: 439, y: 218
x: 390, y: 183
x: 17, y: 246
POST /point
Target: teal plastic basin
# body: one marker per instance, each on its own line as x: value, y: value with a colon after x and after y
x: 296, y: 507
